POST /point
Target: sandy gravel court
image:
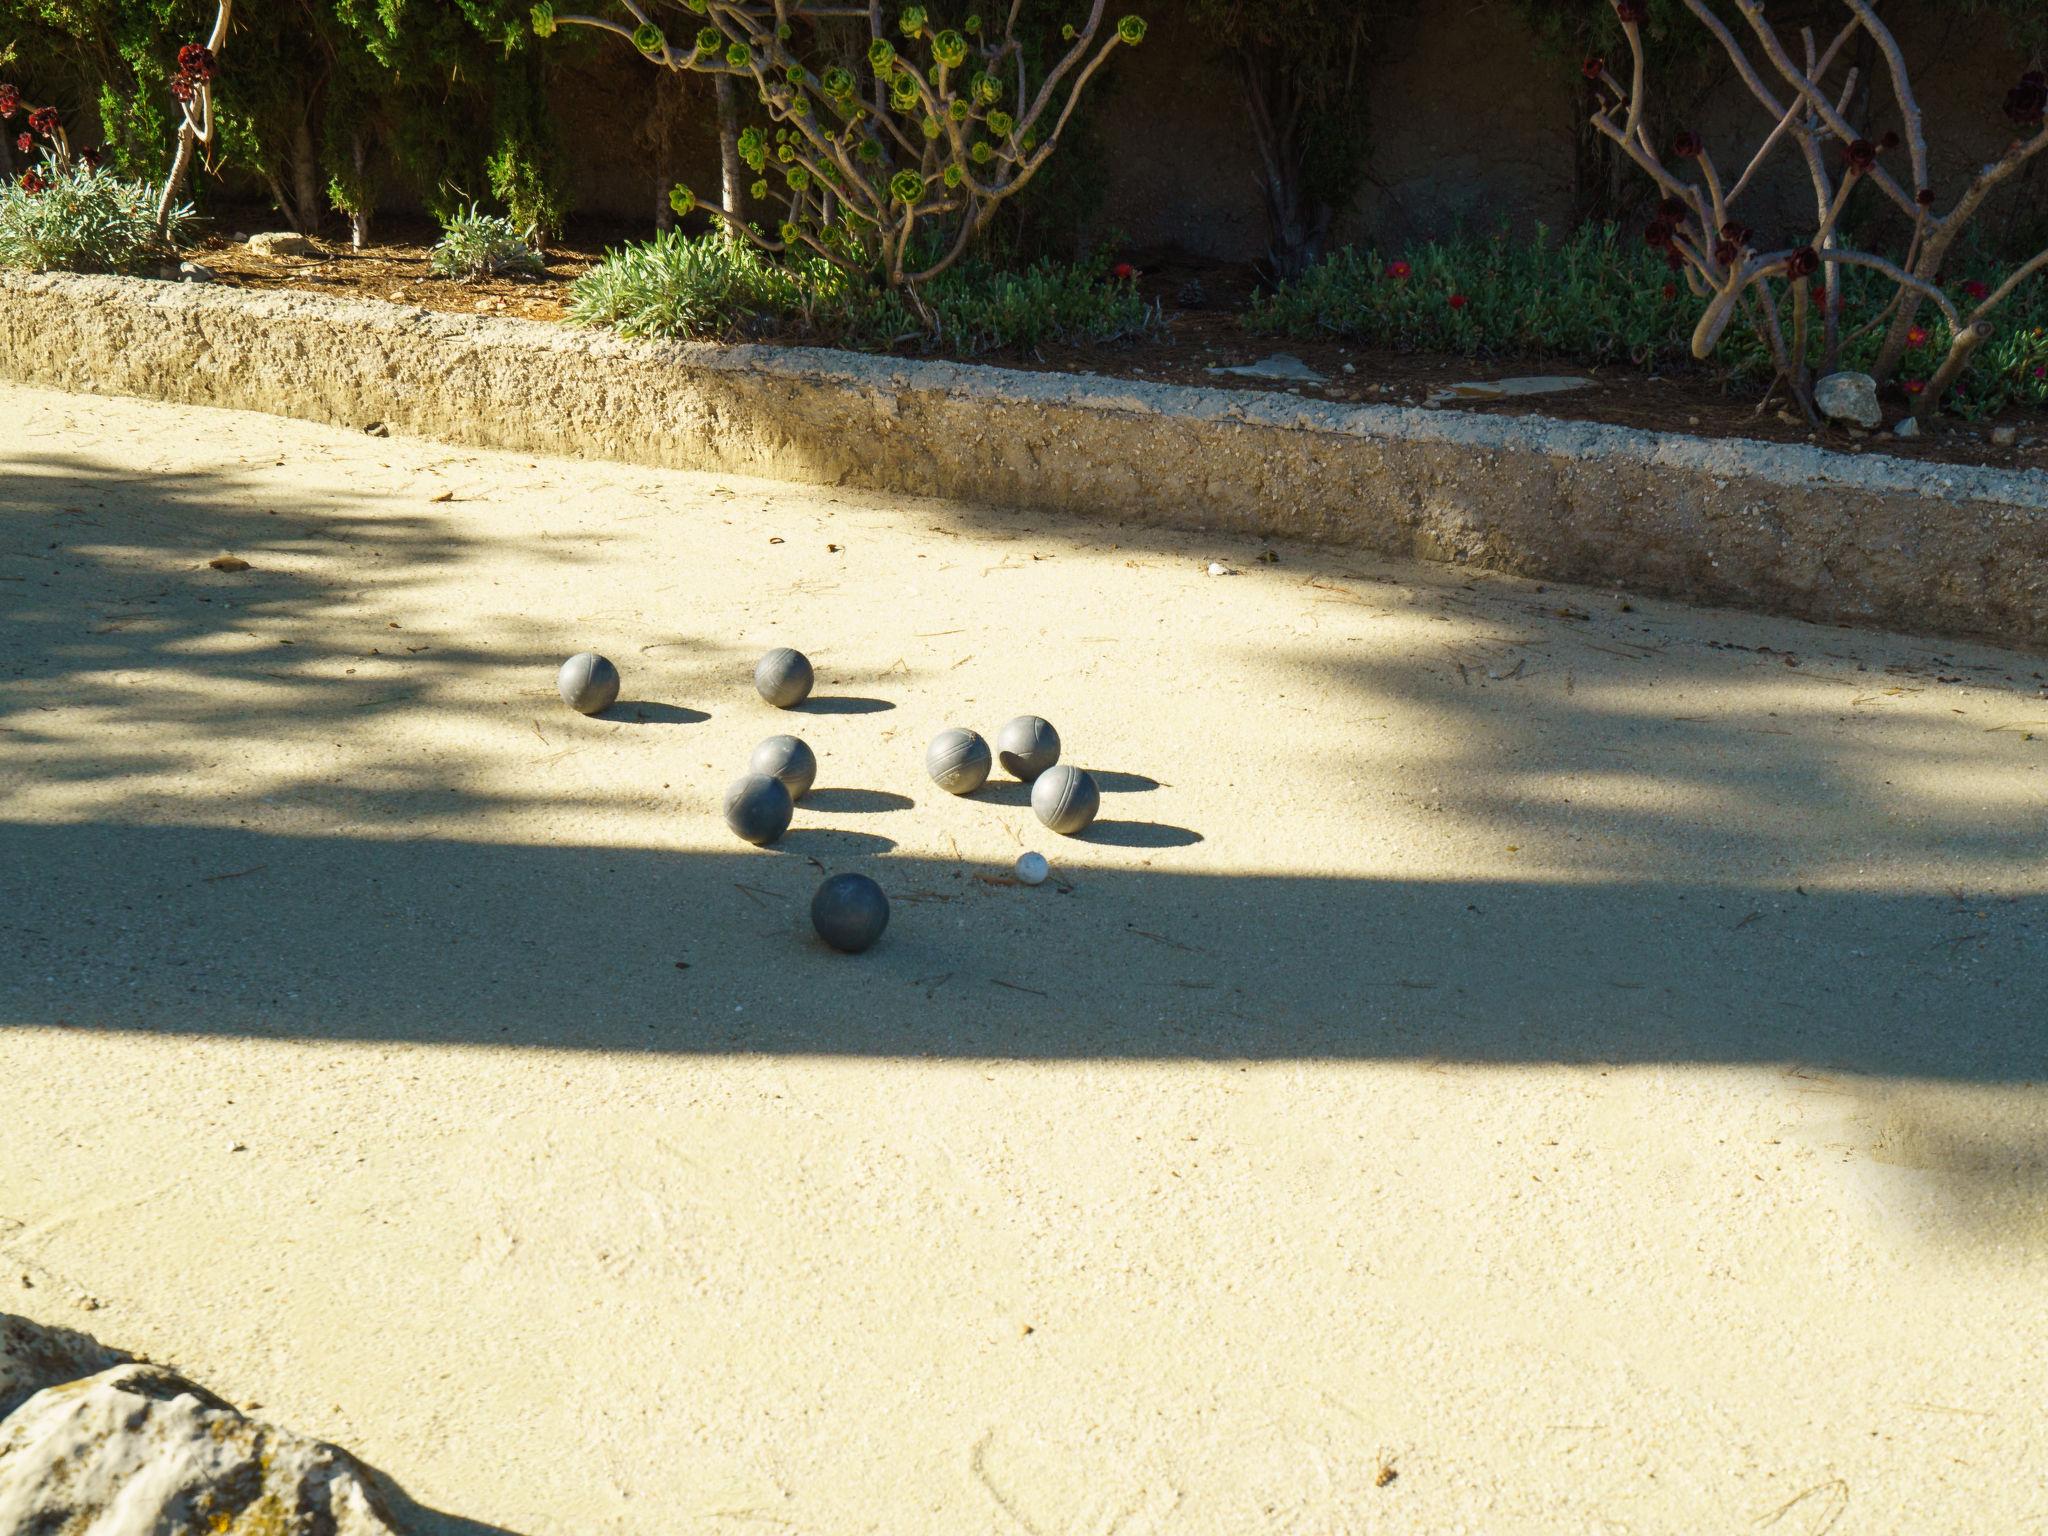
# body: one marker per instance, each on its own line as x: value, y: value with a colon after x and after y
x: 1509, y: 1060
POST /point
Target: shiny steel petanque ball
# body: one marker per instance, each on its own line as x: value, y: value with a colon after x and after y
x: 958, y: 761
x: 849, y: 912
x: 758, y: 808
x: 789, y: 760
x: 588, y: 683
x: 1026, y: 747
x: 784, y: 677
x: 1066, y: 799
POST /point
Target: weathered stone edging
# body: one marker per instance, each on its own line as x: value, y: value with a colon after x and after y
x: 1793, y: 530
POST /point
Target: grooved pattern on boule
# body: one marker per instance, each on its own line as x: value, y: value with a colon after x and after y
x: 758, y: 808
x: 1026, y: 747
x: 789, y: 760
x: 588, y: 683
x: 850, y: 912
x: 784, y: 677
x: 1066, y: 799
x: 958, y: 761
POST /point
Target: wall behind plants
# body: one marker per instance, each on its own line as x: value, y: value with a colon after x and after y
x: 1474, y: 117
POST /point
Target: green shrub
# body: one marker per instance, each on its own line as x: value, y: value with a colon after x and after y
x: 83, y: 220
x: 711, y: 286
x: 478, y: 244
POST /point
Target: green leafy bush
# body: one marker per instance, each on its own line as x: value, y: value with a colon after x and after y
x: 478, y: 244
x: 891, y: 168
x: 78, y: 219
x: 712, y: 286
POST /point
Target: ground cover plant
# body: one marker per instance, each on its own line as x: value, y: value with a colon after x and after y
x: 711, y: 286
x: 65, y: 213
x: 1796, y: 297
x: 889, y: 161
x: 1600, y: 296
x: 478, y: 244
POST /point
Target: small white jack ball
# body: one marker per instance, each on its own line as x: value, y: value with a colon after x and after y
x: 1032, y: 868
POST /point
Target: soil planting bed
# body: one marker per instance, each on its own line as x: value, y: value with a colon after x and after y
x: 1198, y: 340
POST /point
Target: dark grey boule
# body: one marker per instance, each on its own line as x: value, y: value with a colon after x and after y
x: 1066, y: 799
x: 849, y: 912
x: 758, y: 809
x: 784, y: 677
x: 788, y: 759
x: 1026, y: 747
x: 958, y: 761
x: 588, y: 683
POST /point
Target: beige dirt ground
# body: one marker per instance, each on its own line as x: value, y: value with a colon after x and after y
x: 1510, y: 1060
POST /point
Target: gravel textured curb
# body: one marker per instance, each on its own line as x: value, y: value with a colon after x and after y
x: 1801, y: 531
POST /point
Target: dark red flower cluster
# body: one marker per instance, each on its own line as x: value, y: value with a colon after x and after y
x: 1889, y: 141
x: 1658, y: 236
x: 1631, y: 11
x: 91, y: 156
x: 1400, y: 271
x: 1976, y: 290
x: 183, y: 87
x: 1803, y: 263
x: 25, y: 142
x: 1459, y: 301
x: 196, y: 60
x: 1726, y: 252
x: 2027, y: 103
x: 1925, y: 197
x: 1688, y: 145
x: 1862, y: 156
x: 1670, y: 292
x: 1675, y: 259
x: 43, y: 120
x: 10, y: 101
x: 1673, y: 210
x: 33, y: 182
x: 1594, y: 67
x: 1124, y: 272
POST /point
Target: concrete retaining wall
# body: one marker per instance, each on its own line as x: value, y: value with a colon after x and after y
x: 1792, y: 530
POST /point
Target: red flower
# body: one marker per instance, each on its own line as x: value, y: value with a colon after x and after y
x: 1400, y: 271
x: 25, y: 143
x: 1889, y: 141
x: 43, y: 120
x: 1688, y: 145
x: 33, y: 182
x: 1976, y: 290
x: 1917, y: 337
x: 1924, y: 197
x: 1629, y: 11
x: 183, y: 87
x: 1123, y: 272
x: 91, y: 156
x: 1594, y: 67
x: 10, y: 101
x: 196, y: 60
x: 1658, y: 236
x: 1802, y: 263
x: 1726, y: 252
x: 1670, y: 292
x: 1916, y: 386
x: 1459, y: 301
x: 1862, y: 156
x: 2041, y: 373
x: 1673, y: 210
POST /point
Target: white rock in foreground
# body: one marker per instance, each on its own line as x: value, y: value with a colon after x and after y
x: 1850, y: 397
x: 139, y: 1451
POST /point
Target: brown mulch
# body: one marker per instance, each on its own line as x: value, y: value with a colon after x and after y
x: 1197, y: 340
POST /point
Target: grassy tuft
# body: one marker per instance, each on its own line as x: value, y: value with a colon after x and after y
x: 479, y: 244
